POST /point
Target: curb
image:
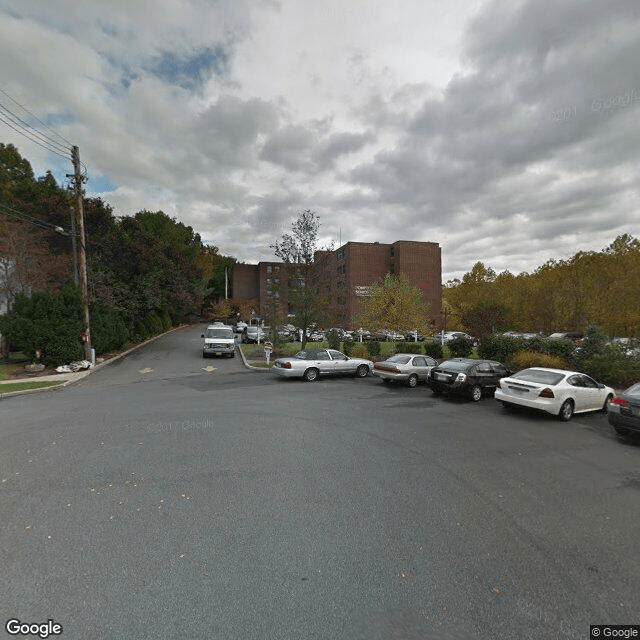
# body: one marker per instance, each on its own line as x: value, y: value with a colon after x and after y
x: 86, y: 372
x: 249, y: 366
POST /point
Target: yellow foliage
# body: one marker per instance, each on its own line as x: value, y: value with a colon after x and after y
x: 525, y: 359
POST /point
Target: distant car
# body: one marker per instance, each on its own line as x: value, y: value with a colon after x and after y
x: 409, y: 368
x: 240, y: 326
x: 574, y: 336
x: 466, y: 376
x: 450, y: 336
x: 624, y: 411
x: 413, y: 336
x: 311, y: 363
x: 556, y: 391
x: 252, y: 333
x: 317, y: 336
x: 219, y: 340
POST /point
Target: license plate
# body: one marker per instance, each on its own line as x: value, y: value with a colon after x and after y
x: 443, y: 377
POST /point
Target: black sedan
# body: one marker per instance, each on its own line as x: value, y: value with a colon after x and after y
x: 624, y: 411
x: 466, y: 376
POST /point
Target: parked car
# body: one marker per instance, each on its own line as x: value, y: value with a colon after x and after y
x: 317, y: 336
x: 450, y: 336
x: 219, y: 340
x: 404, y: 367
x: 240, y: 326
x: 252, y: 332
x: 311, y: 363
x: 412, y: 336
x: 466, y: 376
x: 624, y: 411
x: 556, y: 391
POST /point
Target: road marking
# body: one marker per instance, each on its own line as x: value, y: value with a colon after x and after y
x: 146, y: 370
x: 209, y: 368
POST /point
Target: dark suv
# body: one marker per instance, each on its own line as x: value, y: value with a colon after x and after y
x: 466, y: 376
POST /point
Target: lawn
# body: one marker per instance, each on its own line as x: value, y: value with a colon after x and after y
x: 8, y: 387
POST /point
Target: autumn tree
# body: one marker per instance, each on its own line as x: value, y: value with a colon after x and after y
x: 394, y: 303
x: 298, y: 250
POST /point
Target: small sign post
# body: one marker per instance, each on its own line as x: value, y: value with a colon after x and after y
x: 268, y: 348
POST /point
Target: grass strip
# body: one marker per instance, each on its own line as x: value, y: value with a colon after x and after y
x: 8, y: 387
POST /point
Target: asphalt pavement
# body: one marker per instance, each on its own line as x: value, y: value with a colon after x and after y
x: 171, y: 496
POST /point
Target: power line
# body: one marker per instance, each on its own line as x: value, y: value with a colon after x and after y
x: 36, y: 117
x: 34, y: 139
x: 23, y: 217
x: 27, y: 127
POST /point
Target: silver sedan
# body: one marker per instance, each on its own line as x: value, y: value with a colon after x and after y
x: 404, y: 367
x: 311, y: 363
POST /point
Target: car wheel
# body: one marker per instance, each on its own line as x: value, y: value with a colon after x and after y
x: 476, y: 393
x: 607, y: 402
x: 412, y: 381
x: 311, y: 374
x: 566, y: 411
x: 362, y: 371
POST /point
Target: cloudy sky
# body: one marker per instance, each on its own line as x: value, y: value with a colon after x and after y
x: 507, y: 131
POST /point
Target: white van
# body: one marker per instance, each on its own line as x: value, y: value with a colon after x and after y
x: 219, y: 340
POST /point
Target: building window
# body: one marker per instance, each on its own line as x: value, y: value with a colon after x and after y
x: 276, y: 268
x: 341, y: 255
x: 342, y: 269
x: 268, y: 268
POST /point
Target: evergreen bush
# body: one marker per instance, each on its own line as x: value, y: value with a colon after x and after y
x: 433, y: 349
x: 408, y: 347
x: 333, y: 338
x: 373, y: 348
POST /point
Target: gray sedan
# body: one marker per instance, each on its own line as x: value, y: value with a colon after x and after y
x: 311, y: 363
x: 404, y: 367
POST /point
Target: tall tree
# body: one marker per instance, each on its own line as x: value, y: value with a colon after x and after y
x: 298, y: 250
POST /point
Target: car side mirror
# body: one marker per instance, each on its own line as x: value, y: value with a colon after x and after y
x: 202, y: 336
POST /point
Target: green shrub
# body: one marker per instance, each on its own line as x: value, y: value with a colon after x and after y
x: 525, y: 359
x: 433, y: 349
x: 373, y: 348
x: 333, y: 338
x: 108, y: 329
x: 460, y: 347
x: 166, y: 321
x: 408, y: 347
x: 347, y: 347
x: 48, y: 321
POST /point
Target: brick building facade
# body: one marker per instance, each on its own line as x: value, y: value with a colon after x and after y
x: 344, y: 276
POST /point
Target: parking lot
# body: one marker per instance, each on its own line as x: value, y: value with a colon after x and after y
x: 281, y: 508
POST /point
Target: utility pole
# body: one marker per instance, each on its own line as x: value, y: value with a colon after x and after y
x: 82, y: 255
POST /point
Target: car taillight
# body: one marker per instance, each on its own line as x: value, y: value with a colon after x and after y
x: 619, y: 401
x: 286, y: 365
x: 499, y: 385
x: 547, y: 393
x: 461, y: 377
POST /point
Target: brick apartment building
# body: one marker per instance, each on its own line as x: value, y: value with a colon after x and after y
x: 345, y: 275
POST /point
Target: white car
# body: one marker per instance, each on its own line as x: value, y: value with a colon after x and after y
x: 561, y: 393
x: 311, y: 363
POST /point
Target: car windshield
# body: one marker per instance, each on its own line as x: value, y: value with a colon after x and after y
x: 539, y: 376
x: 399, y: 359
x: 219, y: 333
x: 633, y: 390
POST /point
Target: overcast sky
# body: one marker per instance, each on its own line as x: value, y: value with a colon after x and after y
x: 507, y: 131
